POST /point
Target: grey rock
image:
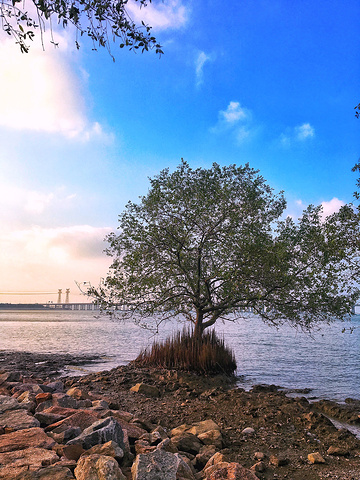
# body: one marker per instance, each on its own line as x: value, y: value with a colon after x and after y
x: 101, y: 432
x: 8, y: 403
x: 53, y: 387
x: 160, y: 465
x: 64, y: 400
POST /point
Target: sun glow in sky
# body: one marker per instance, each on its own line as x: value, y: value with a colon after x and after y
x: 272, y: 83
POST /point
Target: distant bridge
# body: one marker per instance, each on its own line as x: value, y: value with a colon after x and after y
x: 57, y: 306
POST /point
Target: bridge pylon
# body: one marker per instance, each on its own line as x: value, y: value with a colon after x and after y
x: 59, y: 295
x: 67, y: 295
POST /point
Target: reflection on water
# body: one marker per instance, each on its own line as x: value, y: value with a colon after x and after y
x: 328, y: 362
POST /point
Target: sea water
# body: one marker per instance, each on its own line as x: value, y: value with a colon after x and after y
x: 327, y: 362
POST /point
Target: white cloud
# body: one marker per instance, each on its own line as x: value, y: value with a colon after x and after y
x: 331, y: 206
x: 296, y: 208
x: 41, y: 92
x: 234, y: 113
x: 162, y: 15
x: 304, y: 131
x: 200, y: 61
x: 300, y: 133
x: 236, y: 119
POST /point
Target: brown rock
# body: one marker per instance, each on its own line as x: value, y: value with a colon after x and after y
x: 203, y: 427
x: 21, y: 439
x: 53, y: 472
x: 147, y: 390
x: 259, y: 467
x: 278, y: 461
x: 58, y: 410
x: 231, y: 471
x: 82, y: 419
x: 142, y: 446
x: 77, y: 393
x: 157, y: 435
x: 100, y: 405
x: 167, y: 446
x: 134, y: 432
x: 126, y: 416
x: 338, y: 451
x: 18, y: 420
x: 31, y: 457
x: 215, y: 459
x: 46, y: 419
x: 315, y: 458
x: 43, y: 397
x: 259, y: 455
x: 72, y: 452
x: 179, y: 430
x: 109, y: 449
x: 206, y: 452
x: 187, y: 442
x: 96, y: 467
x: 212, y: 437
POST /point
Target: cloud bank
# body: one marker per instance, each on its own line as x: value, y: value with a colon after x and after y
x: 46, y: 259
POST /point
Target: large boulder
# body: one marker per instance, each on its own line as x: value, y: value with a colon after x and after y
x: 101, y: 432
x: 21, y: 439
x: 82, y: 419
x: 98, y: 467
x: 160, y: 465
x: 18, y: 420
x: 8, y: 403
x: 53, y: 472
x: 31, y: 457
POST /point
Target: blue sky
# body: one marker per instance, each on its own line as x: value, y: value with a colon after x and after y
x: 272, y: 83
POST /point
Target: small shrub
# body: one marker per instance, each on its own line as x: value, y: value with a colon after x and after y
x: 183, y: 351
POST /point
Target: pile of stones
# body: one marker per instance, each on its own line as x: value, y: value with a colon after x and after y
x: 47, y: 433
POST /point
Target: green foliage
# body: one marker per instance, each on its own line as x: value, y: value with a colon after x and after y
x: 357, y: 111
x: 101, y: 20
x: 207, y: 243
x: 356, y: 168
x: 186, y: 352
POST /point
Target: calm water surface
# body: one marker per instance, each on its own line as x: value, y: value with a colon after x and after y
x: 328, y: 362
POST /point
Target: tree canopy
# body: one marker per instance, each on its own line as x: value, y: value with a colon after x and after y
x: 207, y: 243
x: 101, y: 20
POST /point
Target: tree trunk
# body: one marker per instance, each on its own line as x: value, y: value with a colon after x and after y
x: 198, y: 330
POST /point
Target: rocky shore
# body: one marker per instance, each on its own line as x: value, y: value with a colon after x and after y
x: 143, y: 424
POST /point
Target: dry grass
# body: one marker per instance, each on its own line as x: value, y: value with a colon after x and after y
x: 183, y: 351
